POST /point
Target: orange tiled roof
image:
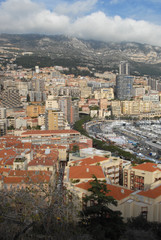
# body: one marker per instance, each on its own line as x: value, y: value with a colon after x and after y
x: 9, y: 136
x: 148, y: 167
x: 151, y: 193
x: 85, y: 172
x: 4, y: 170
x: 29, y: 180
x: 22, y: 173
x: 42, y: 132
x: 90, y: 160
x: 7, y: 153
x: 81, y: 145
x: 117, y: 192
x: 43, y: 162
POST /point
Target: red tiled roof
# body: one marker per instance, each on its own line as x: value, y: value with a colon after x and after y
x: 151, y: 193
x: 22, y: 173
x: 148, y: 167
x: 85, y: 172
x: 81, y: 145
x: 90, y: 160
x: 61, y: 147
x: 4, y: 170
x: 9, y: 136
x: 117, y: 192
x: 29, y: 180
x: 9, y: 161
x: 43, y: 162
x: 7, y: 153
x: 42, y: 132
x: 13, y: 180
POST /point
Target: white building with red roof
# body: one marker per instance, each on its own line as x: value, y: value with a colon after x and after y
x: 59, y: 137
x: 141, y: 177
x: 121, y: 194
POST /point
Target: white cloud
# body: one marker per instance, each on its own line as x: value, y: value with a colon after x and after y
x: 101, y: 27
x: 25, y: 16
x: 75, y: 8
x: 114, y: 1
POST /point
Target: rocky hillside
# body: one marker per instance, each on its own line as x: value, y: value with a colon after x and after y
x: 67, y: 51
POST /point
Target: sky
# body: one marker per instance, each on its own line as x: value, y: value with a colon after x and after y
x: 103, y: 20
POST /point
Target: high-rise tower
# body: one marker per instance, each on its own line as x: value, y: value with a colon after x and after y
x: 124, y: 68
x: 124, y: 82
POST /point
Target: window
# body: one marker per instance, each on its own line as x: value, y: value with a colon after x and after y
x: 144, y: 212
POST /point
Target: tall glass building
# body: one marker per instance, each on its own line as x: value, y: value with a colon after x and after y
x: 124, y: 82
x: 124, y: 87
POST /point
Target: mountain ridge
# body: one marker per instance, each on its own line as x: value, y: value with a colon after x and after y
x: 90, y: 53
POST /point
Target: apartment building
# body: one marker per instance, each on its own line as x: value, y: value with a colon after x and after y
x: 54, y: 119
x: 85, y: 91
x: 59, y: 137
x: 69, y: 108
x: 116, y: 108
x: 103, y: 104
x: 35, y: 110
x: 2, y: 113
x: 135, y: 107
x: 111, y: 166
x: 141, y: 177
x: 11, y: 98
x: 107, y: 93
x: 51, y: 102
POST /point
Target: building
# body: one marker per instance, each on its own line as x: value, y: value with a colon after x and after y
x: 69, y: 108
x: 124, y: 68
x: 11, y: 98
x: 2, y: 113
x: 35, y: 110
x: 142, y: 176
x: 54, y: 119
x: 124, y: 87
x: 153, y: 97
x: 136, y: 107
x: 20, y: 123
x: 37, y: 96
x: 3, y: 127
x: 74, y: 112
x: 103, y: 104
x: 138, y: 91
x: 85, y: 91
x: 124, y: 82
x: 51, y: 102
x: 39, y: 85
x: 116, y: 108
x: 76, y: 174
x: 104, y: 93
x: 59, y: 137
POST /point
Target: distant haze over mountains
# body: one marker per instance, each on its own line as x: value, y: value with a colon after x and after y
x: 68, y: 51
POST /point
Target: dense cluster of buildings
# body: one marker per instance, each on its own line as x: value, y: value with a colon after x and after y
x: 37, y: 112
x: 137, y: 189
x: 49, y: 100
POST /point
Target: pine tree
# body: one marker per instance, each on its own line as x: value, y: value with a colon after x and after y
x: 28, y: 98
x: 97, y: 217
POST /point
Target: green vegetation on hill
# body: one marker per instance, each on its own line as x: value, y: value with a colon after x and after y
x: 32, y: 61
x: 77, y: 72
x: 73, y: 63
x: 145, y: 69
